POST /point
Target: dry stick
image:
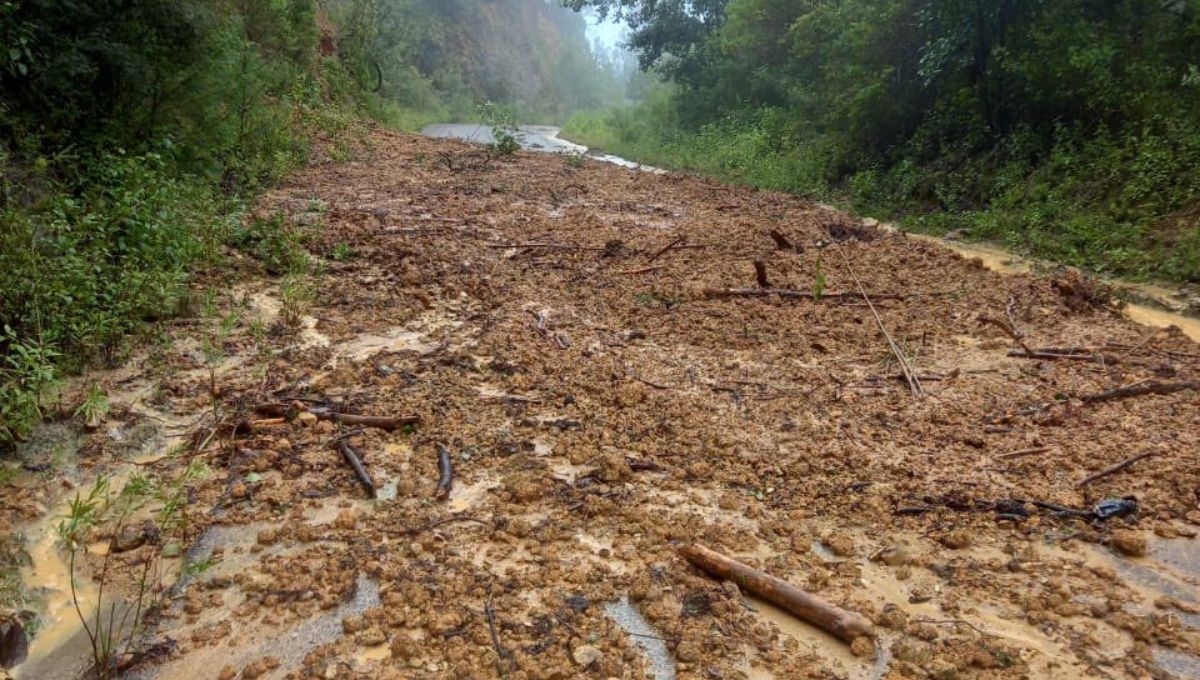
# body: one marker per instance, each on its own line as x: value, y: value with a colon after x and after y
x: 1114, y: 469
x: 914, y: 383
x: 354, y: 458
x: 1023, y: 452
x: 1138, y: 389
x: 643, y: 270
x: 1012, y: 323
x: 760, y: 273
x: 1046, y: 355
x: 780, y: 240
x: 547, y: 246
x: 446, y: 480
x: 845, y: 625
x: 386, y: 423
x: 491, y: 621
x: 793, y: 294
x: 669, y: 246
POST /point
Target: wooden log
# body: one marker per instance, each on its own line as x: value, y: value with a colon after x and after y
x: 845, y: 625
x: 355, y: 460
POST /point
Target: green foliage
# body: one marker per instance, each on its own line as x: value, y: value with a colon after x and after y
x: 503, y: 126
x: 130, y: 132
x: 27, y: 374
x: 1062, y: 128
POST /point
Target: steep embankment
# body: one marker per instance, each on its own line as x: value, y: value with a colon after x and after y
x: 567, y: 334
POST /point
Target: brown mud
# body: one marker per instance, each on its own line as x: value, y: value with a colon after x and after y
x: 602, y: 410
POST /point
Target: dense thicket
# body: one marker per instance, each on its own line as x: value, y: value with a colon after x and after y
x: 132, y: 130
x: 1067, y: 127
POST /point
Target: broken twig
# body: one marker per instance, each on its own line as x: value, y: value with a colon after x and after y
x: 1138, y: 389
x: 1023, y: 452
x: 354, y: 458
x: 845, y: 625
x: 386, y: 423
x: 669, y: 246
x: 1113, y: 469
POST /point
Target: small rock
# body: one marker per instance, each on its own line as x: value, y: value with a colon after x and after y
x: 307, y: 419
x: 957, y: 539
x: 227, y: 673
x: 840, y: 544
x: 239, y: 490
x: 919, y: 595
x: 586, y: 655
x: 371, y: 637
x: 1130, y: 543
x: 863, y: 647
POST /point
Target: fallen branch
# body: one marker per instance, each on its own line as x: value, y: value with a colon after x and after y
x: 354, y: 458
x: 1023, y: 452
x: 669, y: 246
x: 1051, y: 355
x: 1138, y: 389
x: 845, y: 625
x: 1113, y: 469
x: 789, y: 293
x: 544, y: 246
x: 446, y: 480
x: 643, y: 270
x: 488, y: 613
x: 386, y: 423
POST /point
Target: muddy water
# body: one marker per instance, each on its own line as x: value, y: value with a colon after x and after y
x: 532, y: 137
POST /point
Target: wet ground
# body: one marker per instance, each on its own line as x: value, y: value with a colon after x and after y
x: 605, y: 399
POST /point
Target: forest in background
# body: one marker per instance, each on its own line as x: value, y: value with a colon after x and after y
x: 1067, y: 129
x: 133, y: 132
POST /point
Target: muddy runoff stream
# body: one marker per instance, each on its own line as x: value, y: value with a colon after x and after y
x: 290, y: 570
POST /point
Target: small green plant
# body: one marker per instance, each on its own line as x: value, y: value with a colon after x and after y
x: 575, y: 160
x: 111, y: 628
x: 342, y: 252
x: 504, y: 129
x: 819, y: 282
x: 94, y: 407
x: 298, y: 292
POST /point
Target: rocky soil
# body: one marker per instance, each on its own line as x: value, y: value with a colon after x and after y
x: 604, y: 400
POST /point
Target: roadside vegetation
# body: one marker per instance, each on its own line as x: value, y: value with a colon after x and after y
x: 133, y: 134
x: 1067, y: 130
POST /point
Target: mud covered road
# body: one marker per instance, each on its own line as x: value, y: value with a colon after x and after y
x: 592, y: 348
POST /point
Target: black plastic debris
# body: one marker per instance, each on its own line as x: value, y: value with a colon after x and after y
x: 1115, y: 507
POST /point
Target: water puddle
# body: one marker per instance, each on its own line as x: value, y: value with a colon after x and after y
x: 658, y: 657
x: 252, y: 641
x: 542, y: 138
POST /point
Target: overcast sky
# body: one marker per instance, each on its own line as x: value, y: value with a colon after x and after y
x: 609, y: 33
